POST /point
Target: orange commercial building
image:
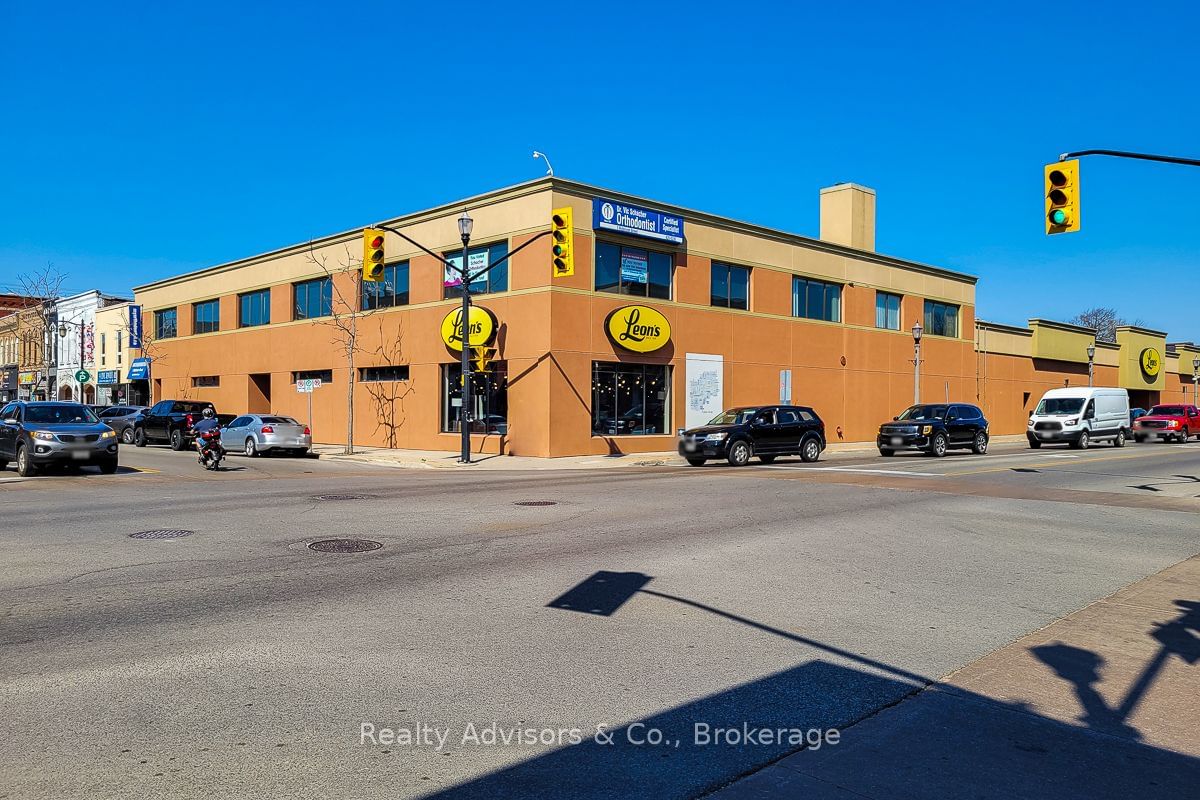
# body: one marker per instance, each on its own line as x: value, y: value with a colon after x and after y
x: 670, y: 316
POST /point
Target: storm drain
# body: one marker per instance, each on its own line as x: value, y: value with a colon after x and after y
x: 345, y: 546
x: 334, y: 497
x: 165, y: 533
x: 536, y: 503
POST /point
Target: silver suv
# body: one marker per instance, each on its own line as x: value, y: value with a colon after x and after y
x: 41, y: 434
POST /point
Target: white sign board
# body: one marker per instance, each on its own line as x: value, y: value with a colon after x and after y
x: 306, y: 385
x: 785, y: 387
x: 705, y: 388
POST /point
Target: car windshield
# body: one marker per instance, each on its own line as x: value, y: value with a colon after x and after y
x: 924, y: 412
x: 1057, y: 406
x: 1169, y: 411
x: 60, y: 414
x: 191, y: 408
x: 734, y: 416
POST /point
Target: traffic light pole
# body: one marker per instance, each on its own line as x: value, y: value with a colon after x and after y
x: 1191, y: 162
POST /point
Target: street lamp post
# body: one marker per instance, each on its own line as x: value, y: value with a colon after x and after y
x: 1195, y: 378
x: 62, y: 334
x: 465, y: 224
x: 1091, y: 351
x: 917, y: 331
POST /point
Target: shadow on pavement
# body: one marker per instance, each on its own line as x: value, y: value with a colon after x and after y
x: 898, y: 735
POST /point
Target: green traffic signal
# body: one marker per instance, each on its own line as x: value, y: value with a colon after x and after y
x: 1058, y: 217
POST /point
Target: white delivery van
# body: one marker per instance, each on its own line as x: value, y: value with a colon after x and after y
x: 1080, y: 417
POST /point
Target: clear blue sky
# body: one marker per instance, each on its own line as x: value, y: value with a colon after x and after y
x: 146, y: 141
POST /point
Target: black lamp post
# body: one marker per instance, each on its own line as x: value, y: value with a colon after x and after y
x: 1195, y: 377
x: 917, y: 332
x: 1091, y: 351
x: 465, y: 224
x: 62, y: 334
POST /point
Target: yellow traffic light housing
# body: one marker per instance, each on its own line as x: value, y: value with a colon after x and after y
x: 373, y: 257
x: 482, y: 357
x: 1062, y: 197
x: 562, y: 243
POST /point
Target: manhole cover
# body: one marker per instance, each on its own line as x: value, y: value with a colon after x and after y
x: 342, y: 497
x: 536, y: 503
x: 344, y: 546
x: 166, y: 533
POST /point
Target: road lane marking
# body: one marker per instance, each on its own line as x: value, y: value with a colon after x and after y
x: 863, y: 470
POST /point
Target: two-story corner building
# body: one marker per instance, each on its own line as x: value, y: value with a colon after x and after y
x: 717, y: 313
x: 74, y: 341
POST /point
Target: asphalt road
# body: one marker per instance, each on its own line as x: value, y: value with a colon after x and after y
x: 237, y: 662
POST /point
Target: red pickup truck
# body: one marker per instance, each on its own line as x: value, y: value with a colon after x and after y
x: 1168, y: 422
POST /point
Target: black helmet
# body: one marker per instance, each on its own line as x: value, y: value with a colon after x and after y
x: 208, y: 413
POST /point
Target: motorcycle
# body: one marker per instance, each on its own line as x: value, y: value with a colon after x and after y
x: 210, y: 451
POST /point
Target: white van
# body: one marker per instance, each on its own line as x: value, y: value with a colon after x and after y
x: 1080, y: 416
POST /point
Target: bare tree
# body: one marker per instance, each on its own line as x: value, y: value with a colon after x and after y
x: 43, y: 287
x: 1104, y: 320
x: 388, y: 395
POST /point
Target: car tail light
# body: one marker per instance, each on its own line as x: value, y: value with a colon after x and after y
x: 188, y: 420
x: 267, y: 429
x: 307, y: 432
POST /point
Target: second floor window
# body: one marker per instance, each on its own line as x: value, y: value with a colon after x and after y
x: 730, y: 286
x: 887, y: 311
x: 478, y: 258
x: 632, y: 270
x: 815, y: 299
x: 254, y: 308
x: 941, y: 319
x: 391, y: 291
x: 313, y: 298
x: 206, y: 316
x: 166, y: 324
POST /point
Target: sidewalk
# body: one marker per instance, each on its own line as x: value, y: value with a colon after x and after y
x: 1102, y: 703
x: 444, y: 459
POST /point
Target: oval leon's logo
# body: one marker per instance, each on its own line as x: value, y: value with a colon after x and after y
x: 1151, y: 362
x: 638, y: 328
x: 482, y: 328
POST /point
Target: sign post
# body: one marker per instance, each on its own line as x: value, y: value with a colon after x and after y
x: 308, y: 386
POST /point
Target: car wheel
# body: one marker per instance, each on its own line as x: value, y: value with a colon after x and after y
x: 177, y: 442
x: 937, y: 448
x: 25, y: 467
x: 1034, y: 444
x: 767, y: 459
x: 810, y: 450
x: 1083, y: 442
x: 1184, y: 435
x: 251, y: 449
x: 697, y: 462
x: 127, y: 435
x: 1119, y: 439
x: 739, y: 454
x: 139, y: 438
x: 109, y: 466
x: 979, y: 446
x: 886, y: 453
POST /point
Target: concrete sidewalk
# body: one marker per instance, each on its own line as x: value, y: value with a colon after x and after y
x: 443, y: 459
x: 1104, y: 703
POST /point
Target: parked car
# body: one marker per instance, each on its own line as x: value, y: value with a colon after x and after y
x: 1079, y: 417
x: 935, y: 428
x: 765, y: 432
x: 253, y: 434
x: 41, y: 434
x: 1168, y: 422
x: 123, y: 420
x: 169, y: 421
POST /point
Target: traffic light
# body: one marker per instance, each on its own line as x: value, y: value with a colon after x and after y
x: 372, y: 254
x: 1062, y: 197
x: 562, y: 245
x: 483, y: 357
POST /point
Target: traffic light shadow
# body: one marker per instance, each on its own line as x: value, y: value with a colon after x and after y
x: 899, y: 733
x: 614, y: 449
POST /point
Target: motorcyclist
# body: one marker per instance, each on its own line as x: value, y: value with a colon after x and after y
x: 208, y: 422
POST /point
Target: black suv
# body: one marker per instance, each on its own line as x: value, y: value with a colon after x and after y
x: 767, y: 432
x: 169, y: 421
x: 935, y: 428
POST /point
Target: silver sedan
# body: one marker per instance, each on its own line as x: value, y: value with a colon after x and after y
x: 253, y: 434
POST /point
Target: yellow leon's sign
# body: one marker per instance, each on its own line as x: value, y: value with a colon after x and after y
x: 481, y: 328
x: 1151, y: 362
x: 640, y: 329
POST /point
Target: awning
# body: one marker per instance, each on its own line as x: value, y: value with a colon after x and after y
x: 139, y: 370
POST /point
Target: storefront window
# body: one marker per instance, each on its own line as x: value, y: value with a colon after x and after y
x: 630, y: 399
x: 941, y: 319
x: 478, y: 258
x: 730, y: 286
x: 489, y: 399
x: 632, y: 270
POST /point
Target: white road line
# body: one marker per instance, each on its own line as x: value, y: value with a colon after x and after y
x: 863, y: 470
